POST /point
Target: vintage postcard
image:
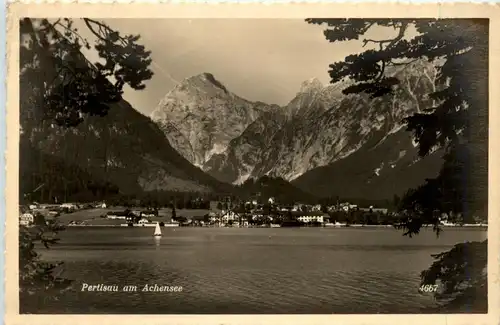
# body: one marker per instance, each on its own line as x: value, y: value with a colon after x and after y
x: 250, y: 163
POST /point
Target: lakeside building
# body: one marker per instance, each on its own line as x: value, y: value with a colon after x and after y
x: 375, y: 210
x: 115, y: 217
x: 346, y: 206
x: 229, y: 216
x: 118, y: 214
x: 149, y: 214
x: 33, y: 206
x: 99, y: 205
x: 213, y: 217
x: 69, y: 206
x: 316, y: 207
x: 26, y: 219
x: 314, y: 216
x: 143, y: 221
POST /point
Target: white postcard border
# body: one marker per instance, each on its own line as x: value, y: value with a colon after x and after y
x: 245, y: 10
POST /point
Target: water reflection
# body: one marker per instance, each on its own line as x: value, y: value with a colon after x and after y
x: 157, y: 241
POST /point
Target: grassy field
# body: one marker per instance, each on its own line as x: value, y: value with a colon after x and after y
x: 93, y: 216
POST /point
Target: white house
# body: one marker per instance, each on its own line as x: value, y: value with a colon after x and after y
x: 114, y: 216
x: 26, y: 219
x: 230, y: 216
x: 311, y: 217
x: 213, y: 217
x: 143, y: 221
x: 70, y: 206
x: 316, y: 207
x: 148, y: 214
x: 347, y: 206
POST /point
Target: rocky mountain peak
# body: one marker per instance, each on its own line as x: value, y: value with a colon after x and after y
x: 186, y: 97
x: 311, y: 99
x: 311, y: 84
x: 200, y: 116
x: 205, y: 79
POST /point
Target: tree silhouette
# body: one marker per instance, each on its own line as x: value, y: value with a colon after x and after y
x: 456, y: 121
x: 37, y: 277
x: 59, y: 86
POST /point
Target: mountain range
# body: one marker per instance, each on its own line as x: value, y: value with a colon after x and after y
x: 204, y: 138
x: 322, y: 141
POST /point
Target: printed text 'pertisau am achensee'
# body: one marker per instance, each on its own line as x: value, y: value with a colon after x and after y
x: 129, y: 288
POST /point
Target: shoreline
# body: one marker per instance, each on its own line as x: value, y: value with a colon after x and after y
x: 350, y: 226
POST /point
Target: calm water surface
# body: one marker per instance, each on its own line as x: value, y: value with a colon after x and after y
x: 239, y: 270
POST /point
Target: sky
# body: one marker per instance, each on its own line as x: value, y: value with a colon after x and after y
x: 258, y: 59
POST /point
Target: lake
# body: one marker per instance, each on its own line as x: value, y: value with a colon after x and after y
x: 249, y: 270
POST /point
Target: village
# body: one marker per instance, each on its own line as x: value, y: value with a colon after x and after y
x: 252, y: 213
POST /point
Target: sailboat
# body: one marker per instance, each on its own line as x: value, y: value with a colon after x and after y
x: 157, y: 232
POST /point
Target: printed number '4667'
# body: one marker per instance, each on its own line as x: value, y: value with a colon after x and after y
x: 428, y: 288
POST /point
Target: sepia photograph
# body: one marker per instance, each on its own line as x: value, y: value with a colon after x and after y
x: 246, y: 166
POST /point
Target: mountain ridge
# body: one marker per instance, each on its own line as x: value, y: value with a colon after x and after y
x: 317, y: 128
x: 327, y: 126
x: 126, y: 149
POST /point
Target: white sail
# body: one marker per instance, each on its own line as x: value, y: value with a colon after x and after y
x: 157, y: 230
